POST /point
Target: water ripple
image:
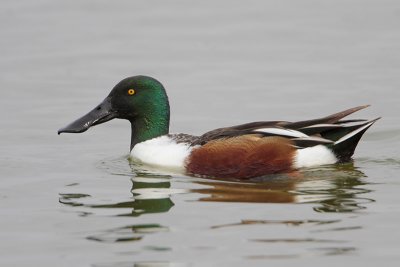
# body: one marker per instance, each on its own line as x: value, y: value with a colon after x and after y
x: 297, y: 240
x: 285, y: 222
x: 127, y: 233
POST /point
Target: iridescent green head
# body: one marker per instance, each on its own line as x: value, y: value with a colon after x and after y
x: 140, y: 99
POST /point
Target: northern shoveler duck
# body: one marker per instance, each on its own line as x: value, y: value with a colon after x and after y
x: 242, y: 151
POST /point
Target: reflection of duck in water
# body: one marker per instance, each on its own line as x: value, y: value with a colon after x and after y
x: 151, y: 194
x: 344, y: 189
x: 274, y: 191
x: 334, y: 189
x: 242, y: 151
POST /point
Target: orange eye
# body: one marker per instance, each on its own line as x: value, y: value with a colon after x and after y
x: 131, y: 92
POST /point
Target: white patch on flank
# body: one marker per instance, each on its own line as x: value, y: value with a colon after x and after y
x: 162, y: 151
x: 284, y: 132
x: 314, y: 156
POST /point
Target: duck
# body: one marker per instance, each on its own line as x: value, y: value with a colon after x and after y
x: 239, y: 152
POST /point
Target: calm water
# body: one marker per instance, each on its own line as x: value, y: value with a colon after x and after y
x: 76, y: 200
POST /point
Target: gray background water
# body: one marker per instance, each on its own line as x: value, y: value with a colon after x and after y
x: 75, y: 200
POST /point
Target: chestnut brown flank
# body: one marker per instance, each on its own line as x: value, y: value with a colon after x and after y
x: 242, y: 157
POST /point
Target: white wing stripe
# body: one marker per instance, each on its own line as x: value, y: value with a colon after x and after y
x: 323, y: 126
x: 315, y: 138
x: 280, y: 131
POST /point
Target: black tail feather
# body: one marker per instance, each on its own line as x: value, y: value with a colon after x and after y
x: 345, y: 146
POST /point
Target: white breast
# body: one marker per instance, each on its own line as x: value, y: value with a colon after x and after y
x: 162, y: 151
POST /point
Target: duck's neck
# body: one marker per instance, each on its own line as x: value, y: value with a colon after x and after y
x: 153, y: 124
